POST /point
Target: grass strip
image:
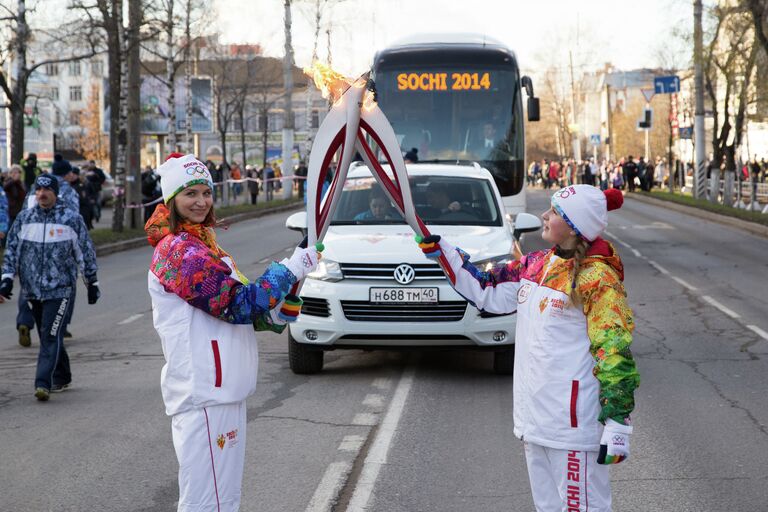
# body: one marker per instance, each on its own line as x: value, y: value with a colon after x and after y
x: 703, y: 204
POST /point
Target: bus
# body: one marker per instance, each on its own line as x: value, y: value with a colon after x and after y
x: 457, y: 98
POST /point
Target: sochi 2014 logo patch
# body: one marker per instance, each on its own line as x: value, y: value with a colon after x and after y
x: 543, y: 304
x: 524, y: 292
x: 306, y: 261
x: 221, y: 441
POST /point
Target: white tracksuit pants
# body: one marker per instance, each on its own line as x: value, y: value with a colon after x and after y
x: 210, y: 447
x: 567, y: 480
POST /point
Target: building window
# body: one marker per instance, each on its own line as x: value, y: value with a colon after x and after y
x: 74, y: 117
x: 75, y: 93
x: 315, y: 119
x: 74, y: 68
x: 52, y: 69
x: 262, y: 122
x: 55, y: 93
x: 97, y: 68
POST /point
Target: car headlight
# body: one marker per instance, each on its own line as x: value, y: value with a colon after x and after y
x: 488, y: 263
x: 327, y: 270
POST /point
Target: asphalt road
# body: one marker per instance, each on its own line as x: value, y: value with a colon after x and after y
x: 407, y: 431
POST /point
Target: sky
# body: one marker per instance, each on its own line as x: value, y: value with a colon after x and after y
x: 627, y: 33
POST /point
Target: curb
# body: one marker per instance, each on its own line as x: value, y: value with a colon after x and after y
x: 133, y: 243
x: 752, y: 228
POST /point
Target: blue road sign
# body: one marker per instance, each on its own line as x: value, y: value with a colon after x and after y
x: 685, y: 132
x: 666, y: 84
x: 594, y: 139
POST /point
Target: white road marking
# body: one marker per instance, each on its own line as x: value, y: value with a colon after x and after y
x: 351, y: 443
x: 636, y: 253
x: 130, y: 319
x: 759, y: 331
x: 382, y: 383
x: 731, y: 313
x: 658, y: 267
x: 374, y: 400
x: 328, y: 488
x: 684, y: 283
x: 364, y: 418
x: 377, y: 456
x: 622, y: 242
x: 264, y: 260
x: 290, y: 249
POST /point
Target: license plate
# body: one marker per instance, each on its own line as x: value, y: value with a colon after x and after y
x: 404, y: 295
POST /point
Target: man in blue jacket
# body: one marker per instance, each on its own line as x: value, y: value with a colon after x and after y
x: 47, y: 244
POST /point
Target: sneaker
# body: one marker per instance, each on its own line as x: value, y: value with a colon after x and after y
x: 58, y: 388
x: 67, y: 334
x: 42, y: 394
x: 25, y: 339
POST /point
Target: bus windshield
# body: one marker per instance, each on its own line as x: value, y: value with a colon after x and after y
x: 456, y: 113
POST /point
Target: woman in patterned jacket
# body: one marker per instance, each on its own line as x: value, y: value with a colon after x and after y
x: 574, y: 373
x: 205, y: 312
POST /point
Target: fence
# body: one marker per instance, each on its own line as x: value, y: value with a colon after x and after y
x: 745, y: 195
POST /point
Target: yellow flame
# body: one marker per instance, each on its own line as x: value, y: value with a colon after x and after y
x: 333, y: 84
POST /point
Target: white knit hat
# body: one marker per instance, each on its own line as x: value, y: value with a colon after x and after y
x: 181, y: 171
x: 585, y: 208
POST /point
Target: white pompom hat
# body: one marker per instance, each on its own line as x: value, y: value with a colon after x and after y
x: 181, y: 171
x: 585, y: 208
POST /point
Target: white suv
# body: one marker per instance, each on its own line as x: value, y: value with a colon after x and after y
x: 374, y: 288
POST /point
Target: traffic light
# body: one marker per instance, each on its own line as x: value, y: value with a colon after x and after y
x: 647, y: 122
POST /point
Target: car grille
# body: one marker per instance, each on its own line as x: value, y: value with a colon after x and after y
x: 364, y: 311
x: 385, y: 271
x: 315, y: 307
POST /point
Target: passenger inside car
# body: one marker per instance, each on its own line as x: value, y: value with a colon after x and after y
x: 378, y: 208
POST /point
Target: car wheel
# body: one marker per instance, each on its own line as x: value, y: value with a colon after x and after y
x: 302, y: 359
x: 504, y: 361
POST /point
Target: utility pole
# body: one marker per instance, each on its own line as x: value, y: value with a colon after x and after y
x: 575, y: 141
x: 133, y: 173
x: 288, y: 120
x: 700, y: 175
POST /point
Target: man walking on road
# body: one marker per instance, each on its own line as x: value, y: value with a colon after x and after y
x: 46, y: 246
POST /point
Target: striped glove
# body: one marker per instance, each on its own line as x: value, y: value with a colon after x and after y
x: 429, y: 245
x: 290, y: 309
x: 614, y: 445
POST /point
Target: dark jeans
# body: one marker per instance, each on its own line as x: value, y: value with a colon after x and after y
x: 254, y: 197
x: 52, y: 360
x: 24, y: 316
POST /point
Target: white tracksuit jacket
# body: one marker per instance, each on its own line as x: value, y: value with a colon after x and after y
x: 573, y: 367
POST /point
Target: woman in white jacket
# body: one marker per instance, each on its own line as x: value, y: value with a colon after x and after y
x: 205, y: 312
x: 574, y: 373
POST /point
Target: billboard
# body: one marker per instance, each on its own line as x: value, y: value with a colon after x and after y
x: 155, y: 110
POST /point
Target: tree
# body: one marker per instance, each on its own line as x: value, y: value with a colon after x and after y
x: 89, y: 140
x: 729, y: 69
x: 288, y: 117
x: 77, y: 42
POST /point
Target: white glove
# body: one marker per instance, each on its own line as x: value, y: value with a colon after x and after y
x: 614, y: 445
x: 302, y: 262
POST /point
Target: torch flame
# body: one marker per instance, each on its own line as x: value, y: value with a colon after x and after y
x: 333, y: 84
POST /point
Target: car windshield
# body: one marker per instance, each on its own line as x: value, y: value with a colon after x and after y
x: 439, y: 200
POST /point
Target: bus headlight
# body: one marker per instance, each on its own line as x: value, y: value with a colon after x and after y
x: 327, y: 270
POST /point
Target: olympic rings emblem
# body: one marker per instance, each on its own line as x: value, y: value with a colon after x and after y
x: 197, y: 170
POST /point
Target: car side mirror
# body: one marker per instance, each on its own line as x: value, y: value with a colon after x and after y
x: 297, y: 222
x: 525, y: 223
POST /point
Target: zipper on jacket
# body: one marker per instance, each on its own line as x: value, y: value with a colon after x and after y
x: 42, y: 253
x: 574, y: 399
x: 216, y: 362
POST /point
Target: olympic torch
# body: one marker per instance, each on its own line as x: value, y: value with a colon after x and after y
x: 353, y: 117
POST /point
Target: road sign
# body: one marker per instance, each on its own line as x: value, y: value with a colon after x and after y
x: 685, y: 132
x: 594, y: 139
x: 648, y: 93
x: 666, y: 84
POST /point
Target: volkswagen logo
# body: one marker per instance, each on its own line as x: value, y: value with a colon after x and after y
x: 404, y: 274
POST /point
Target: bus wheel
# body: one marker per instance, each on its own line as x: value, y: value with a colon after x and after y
x: 302, y: 359
x: 504, y: 361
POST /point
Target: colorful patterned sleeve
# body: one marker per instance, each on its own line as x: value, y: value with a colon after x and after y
x: 493, y: 290
x: 190, y: 270
x: 610, y: 326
